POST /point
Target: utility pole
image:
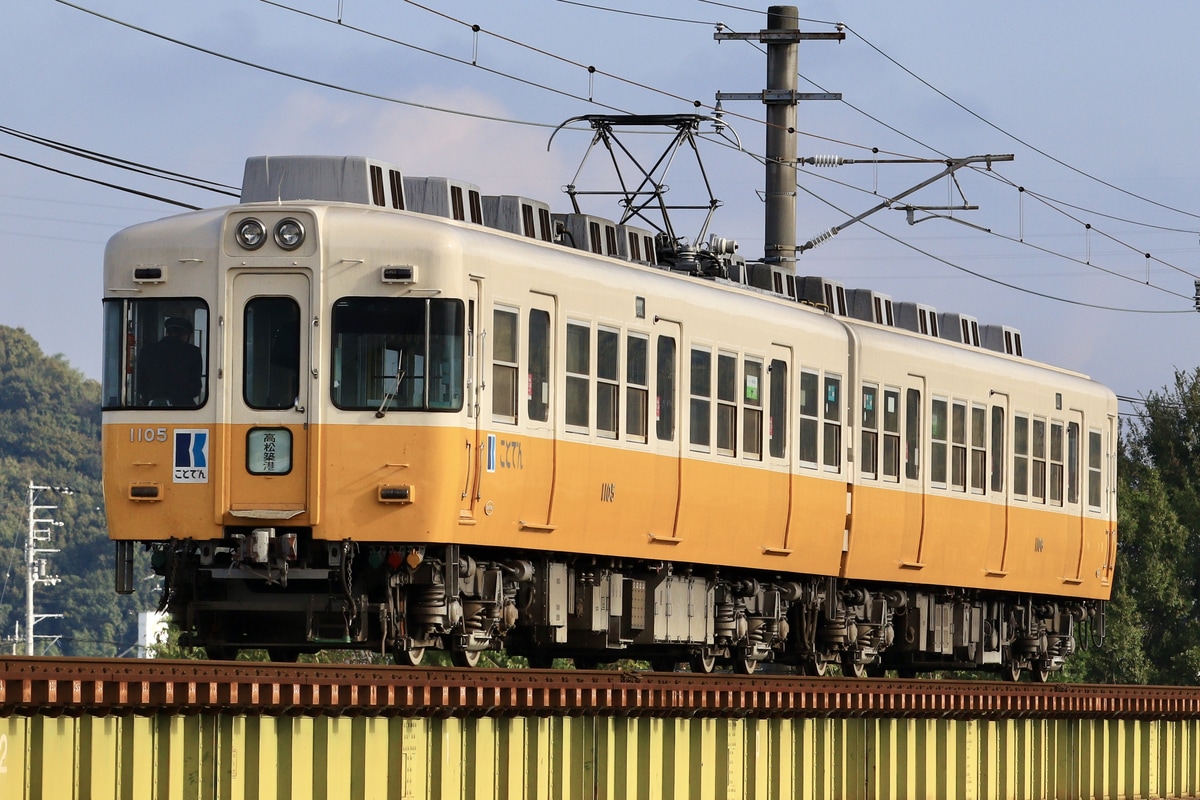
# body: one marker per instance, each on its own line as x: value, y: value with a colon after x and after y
x: 35, y: 567
x: 782, y: 37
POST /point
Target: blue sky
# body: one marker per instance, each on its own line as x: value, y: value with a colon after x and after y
x: 1098, y: 106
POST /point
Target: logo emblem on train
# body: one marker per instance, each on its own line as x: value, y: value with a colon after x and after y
x: 191, y: 456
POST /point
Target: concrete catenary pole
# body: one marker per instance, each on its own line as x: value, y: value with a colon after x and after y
x: 782, y: 68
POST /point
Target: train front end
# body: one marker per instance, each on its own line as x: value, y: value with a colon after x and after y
x: 250, y: 369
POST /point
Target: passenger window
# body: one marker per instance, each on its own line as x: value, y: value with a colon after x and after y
x: 539, y: 365
x: 997, y: 449
x: 155, y: 353
x: 1056, y: 463
x: 701, y: 393
x: 608, y: 386
x: 752, y: 409
x: 727, y: 400
x: 384, y: 346
x: 833, y: 422
x: 636, y: 387
x: 809, y: 405
x: 891, y: 435
x: 271, y: 355
x: 978, y: 449
x: 958, y: 452
x: 1095, y: 470
x: 504, y: 365
x: 778, y: 431
x: 664, y: 398
x: 912, y: 434
x: 938, y: 434
x: 869, y: 457
x: 1072, y: 462
x: 579, y: 369
x: 665, y: 389
x: 1020, y: 456
x: 1039, y: 460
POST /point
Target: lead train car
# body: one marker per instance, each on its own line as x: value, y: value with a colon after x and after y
x: 416, y: 433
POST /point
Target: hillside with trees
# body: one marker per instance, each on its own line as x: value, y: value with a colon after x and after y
x: 50, y: 436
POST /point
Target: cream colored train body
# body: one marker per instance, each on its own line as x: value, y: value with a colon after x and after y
x: 415, y: 432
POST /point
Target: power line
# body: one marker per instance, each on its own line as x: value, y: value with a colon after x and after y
x: 989, y: 278
x: 116, y: 186
x: 477, y: 29
x: 637, y: 13
x: 435, y: 53
x: 132, y: 166
x: 1013, y: 136
x: 301, y: 78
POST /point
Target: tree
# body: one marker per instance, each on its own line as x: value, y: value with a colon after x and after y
x: 50, y: 435
x: 1153, y: 631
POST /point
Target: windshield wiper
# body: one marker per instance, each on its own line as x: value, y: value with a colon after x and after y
x: 388, y: 396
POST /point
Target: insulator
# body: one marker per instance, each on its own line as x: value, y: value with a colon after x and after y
x: 821, y: 238
x: 825, y: 161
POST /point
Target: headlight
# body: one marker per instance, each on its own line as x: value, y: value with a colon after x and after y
x: 251, y: 233
x: 289, y: 234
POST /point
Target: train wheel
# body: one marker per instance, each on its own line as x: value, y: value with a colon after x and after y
x: 703, y: 663
x: 1010, y: 671
x: 413, y: 657
x: 1039, y: 672
x: 815, y: 668
x: 852, y: 668
x: 745, y: 666
x: 465, y: 658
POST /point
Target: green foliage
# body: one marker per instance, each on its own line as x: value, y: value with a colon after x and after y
x: 1153, y: 630
x: 50, y: 436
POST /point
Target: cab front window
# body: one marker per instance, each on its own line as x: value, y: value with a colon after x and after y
x: 155, y: 353
x: 397, y: 353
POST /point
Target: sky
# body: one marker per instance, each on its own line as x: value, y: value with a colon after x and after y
x: 1097, y: 104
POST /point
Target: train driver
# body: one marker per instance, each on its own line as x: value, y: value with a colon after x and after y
x: 170, y: 370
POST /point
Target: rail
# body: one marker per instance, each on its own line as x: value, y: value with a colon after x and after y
x: 73, y: 686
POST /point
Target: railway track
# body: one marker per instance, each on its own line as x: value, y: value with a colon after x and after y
x: 73, y: 687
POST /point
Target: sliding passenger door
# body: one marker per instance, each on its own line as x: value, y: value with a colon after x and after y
x: 914, y: 475
x: 537, y: 455
x: 270, y: 356
x: 779, y: 483
x: 471, y: 455
x: 1074, y: 545
x: 999, y: 487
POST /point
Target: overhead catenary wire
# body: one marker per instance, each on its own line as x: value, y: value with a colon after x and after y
x: 108, y: 184
x: 133, y: 166
x: 476, y: 29
x: 301, y: 78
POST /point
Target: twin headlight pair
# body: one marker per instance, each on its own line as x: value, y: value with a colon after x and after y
x: 251, y: 233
